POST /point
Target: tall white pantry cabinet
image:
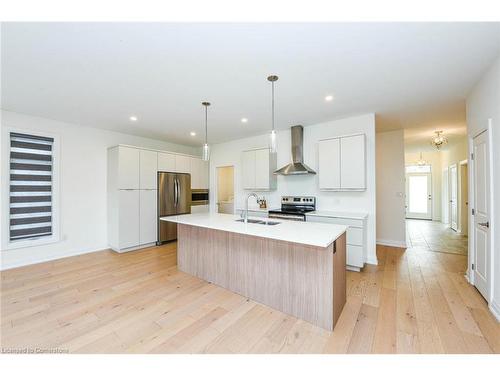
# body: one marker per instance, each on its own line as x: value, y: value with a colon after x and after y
x: 132, y: 192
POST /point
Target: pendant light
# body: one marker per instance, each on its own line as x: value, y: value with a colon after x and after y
x: 272, y: 141
x: 421, y: 162
x: 439, y: 140
x: 206, y: 150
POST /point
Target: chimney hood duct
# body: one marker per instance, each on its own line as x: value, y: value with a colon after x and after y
x: 297, y: 165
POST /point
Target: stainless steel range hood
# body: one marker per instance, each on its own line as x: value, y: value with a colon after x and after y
x: 297, y: 165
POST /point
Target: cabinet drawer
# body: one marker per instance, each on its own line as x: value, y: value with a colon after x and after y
x: 354, y: 256
x: 355, y: 236
x: 335, y: 220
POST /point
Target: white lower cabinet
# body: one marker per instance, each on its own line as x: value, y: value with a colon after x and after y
x: 356, y: 238
x: 128, y: 219
x: 147, y: 216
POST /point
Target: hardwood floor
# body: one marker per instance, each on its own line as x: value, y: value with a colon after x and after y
x: 435, y: 236
x: 414, y: 301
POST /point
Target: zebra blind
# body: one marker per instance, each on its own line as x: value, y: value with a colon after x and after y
x: 30, y: 186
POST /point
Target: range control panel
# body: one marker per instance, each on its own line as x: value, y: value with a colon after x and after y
x: 298, y: 200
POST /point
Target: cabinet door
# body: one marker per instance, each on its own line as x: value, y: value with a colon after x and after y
x: 166, y: 162
x: 148, y: 169
x: 248, y: 170
x: 262, y: 169
x: 128, y: 218
x: 128, y: 168
x: 352, y: 159
x: 329, y: 164
x: 147, y: 227
x: 182, y: 164
x: 195, y: 173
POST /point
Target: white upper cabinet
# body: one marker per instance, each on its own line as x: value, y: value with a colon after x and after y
x: 128, y: 168
x: 353, y: 164
x: 329, y: 164
x: 166, y: 162
x: 148, y: 169
x: 248, y: 169
x: 182, y: 164
x: 262, y: 174
x: 342, y: 163
x: 257, y: 169
x: 199, y: 174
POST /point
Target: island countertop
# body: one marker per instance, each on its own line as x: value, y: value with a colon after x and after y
x: 301, y: 232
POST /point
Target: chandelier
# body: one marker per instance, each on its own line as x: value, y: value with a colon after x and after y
x: 439, y: 139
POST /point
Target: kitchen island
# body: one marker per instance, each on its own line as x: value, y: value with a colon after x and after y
x: 295, y: 267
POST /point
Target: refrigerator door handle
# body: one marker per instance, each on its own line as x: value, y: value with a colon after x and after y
x: 178, y: 191
x: 175, y: 191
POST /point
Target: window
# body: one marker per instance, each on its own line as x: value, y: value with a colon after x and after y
x: 31, y: 187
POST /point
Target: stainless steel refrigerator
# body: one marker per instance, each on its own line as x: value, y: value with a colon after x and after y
x: 174, y: 198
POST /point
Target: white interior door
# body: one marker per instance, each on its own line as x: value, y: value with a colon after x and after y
x: 481, y: 218
x: 445, y: 190
x: 453, y: 197
x: 419, y: 196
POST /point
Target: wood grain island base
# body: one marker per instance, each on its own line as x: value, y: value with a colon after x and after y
x: 308, y: 282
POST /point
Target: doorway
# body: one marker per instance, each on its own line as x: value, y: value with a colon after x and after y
x: 453, y: 197
x: 419, y: 192
x: 225, y: 190
x: 464, y: 199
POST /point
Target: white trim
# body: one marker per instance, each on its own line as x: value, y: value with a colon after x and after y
x: 495, y: 309
x: 56, y: 196
x: 372, y: 260
x: 391, y: 243
x: 49, y: 258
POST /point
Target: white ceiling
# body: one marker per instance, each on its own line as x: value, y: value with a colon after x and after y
x: 99, y: 74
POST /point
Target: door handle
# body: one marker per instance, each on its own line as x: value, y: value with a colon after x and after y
x: 486, y: 225
x: 176, y: 192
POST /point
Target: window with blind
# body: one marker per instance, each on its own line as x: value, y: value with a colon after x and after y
x: 31, y: 189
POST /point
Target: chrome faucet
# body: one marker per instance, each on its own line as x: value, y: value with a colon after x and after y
x: 245, y: 213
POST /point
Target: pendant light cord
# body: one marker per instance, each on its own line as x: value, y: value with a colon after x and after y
x: 272, y: 103
x: 206, y: 126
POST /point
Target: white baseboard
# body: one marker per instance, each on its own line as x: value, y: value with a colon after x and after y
x: 372, y: 261
x: 495, y: 310
x: 391, y: 243
x: 23, y: 263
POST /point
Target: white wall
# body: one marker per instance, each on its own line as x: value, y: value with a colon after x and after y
x: 483, y: 104
x: 434, y: 159
x: 230, y: 154
x: 83, y: 155
x: 391, y: 228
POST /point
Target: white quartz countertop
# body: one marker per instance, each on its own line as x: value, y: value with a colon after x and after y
x: 302, y: 232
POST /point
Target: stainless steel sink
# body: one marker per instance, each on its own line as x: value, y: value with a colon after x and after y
x: 262, y: 222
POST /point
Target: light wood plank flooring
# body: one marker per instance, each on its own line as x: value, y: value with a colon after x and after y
x: 414, y: 301
x: 435, y: 236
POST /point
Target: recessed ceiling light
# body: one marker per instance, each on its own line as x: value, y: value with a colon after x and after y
x: 329, y: 98
x: 133, y: 118
x: 192, y: 134
x: 244, y: 120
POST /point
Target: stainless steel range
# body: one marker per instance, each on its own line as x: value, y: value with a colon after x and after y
x: 294, y: 208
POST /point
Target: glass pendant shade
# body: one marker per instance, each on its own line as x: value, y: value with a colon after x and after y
x: 272, y: 142
x: 206, y: 152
